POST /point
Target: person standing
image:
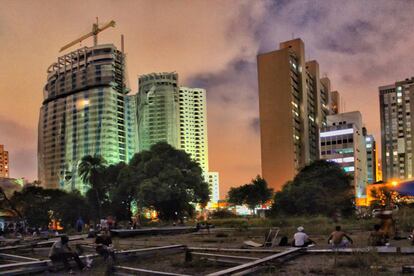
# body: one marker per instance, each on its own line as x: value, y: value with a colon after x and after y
x: 79, y: 224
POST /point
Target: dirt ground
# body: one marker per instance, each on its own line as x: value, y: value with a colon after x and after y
x: 322, y: 264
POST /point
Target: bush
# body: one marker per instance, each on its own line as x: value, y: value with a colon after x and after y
x: 223, y: 214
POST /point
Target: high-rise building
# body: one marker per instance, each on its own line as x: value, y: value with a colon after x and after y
x: 343, y: 142
x: 158, y: 110
x: 193, y: 132
x: 193, y: 124
x: 371, y: 150
x: 4, y: 162
x: 335, y: 102
x: 294, y: 103
x: 396, y: 129
x: 84, y: 112
x: 176, y: 115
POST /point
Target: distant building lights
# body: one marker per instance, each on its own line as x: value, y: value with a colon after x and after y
x: 349, y: 169
x: 337, y: 132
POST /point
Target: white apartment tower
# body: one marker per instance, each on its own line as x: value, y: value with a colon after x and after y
x: 193, y: 137
x: 343, y: 142
x: 176, y: 115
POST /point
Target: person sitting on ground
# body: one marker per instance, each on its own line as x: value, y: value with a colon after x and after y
x: 411, y: 237
x: 61, y: 252
x: 104, y: 245
x: 104, y: 249
x: 377, y: 237
x: 301, y: 239
x: 339, y: 239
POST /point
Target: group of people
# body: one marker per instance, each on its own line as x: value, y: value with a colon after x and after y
x: 61, y: 252
x: 339, y: 239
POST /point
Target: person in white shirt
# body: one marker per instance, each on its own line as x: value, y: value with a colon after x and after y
x: 301, y: 239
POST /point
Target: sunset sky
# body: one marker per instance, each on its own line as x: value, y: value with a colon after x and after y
x: 360, y: 45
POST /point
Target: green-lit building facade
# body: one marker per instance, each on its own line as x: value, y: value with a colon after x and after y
x: 86, y: 111
x: 157, y: 110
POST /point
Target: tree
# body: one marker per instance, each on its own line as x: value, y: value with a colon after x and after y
x: 319, y: 188
x: 69, y: 207
x: 91, y: 170
x: 169, y: 181
x: 7, y: 204
x: 252, y: 194
x: 122, y: 184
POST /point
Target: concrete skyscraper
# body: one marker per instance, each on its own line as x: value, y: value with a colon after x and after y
x: 396, y: 103
x: 294, y: 103
x: 176, y: 115
x: 343, y: 142
x: 4, y: 162
x: 84, y: 112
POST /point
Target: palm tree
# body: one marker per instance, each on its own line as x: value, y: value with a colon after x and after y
x: 91, y: 169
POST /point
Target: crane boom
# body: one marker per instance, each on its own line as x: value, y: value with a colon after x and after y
x: 95, y: 30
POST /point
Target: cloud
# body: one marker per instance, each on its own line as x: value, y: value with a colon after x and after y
x: 21, y: 143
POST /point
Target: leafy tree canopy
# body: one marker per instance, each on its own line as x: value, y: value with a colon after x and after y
x: 319, y: 188
x: 38, y: 205
x: 251, y: 194
x: 169, y: 181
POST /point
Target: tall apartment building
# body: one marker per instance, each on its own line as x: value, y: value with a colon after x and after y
x: 84, y: 112
x: 294, y: 103
x: 193, y: 132
x: 343, y: 142
x: 4, y: 162
x: 371, y: 149
x: 396, y: 103
x: 158, y: 110
x: 193, y: 124
x: 176, y: 115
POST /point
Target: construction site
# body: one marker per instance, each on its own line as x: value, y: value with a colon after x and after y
x: 182, y: 250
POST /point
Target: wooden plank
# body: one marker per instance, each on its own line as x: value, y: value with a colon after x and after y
x: 152, y: 231
x: 253, y: 264
x: 217, y: 249
x: 40, y: 243
x: 225, y: 258
x: 140, y: 271
x: 16, y: 257
x: 378, y: 249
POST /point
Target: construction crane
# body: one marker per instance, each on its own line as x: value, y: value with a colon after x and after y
x: 95, y: 31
